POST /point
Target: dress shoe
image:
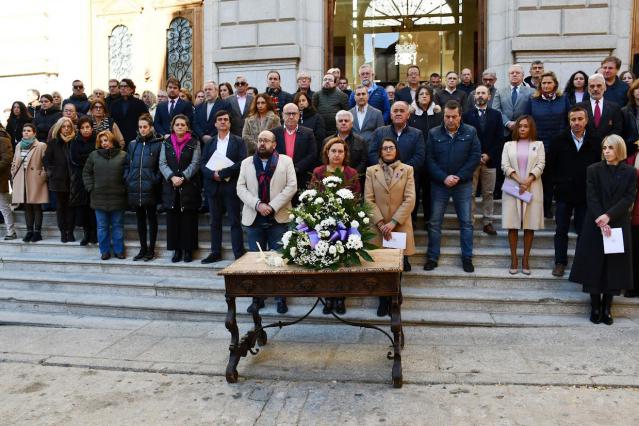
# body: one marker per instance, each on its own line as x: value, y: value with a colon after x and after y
x: 383, y: 307
x: 213, y: 257
x: 606, y: 312
x: 63, y: 237
x: 629, y: 293
x: 188, y: 256
x: 28, y: 236
x: 37, y: 236
x: 120, y: 255
x: 281, y: 307
x: 105, y: 256
x: 85, y: 238
x: 70, y: 237
x: 340, y: 307
x: 467, y: 264
x: 488, y: 229
x: 150, y: 254
x: 328, y: 307
x: 595, y: 315
x: 559, y: 269
x: 9, y: 237
x: 140, y: 255
x: 407, y: 266
x: 258, y: 303
x: 430, y: 265
x: 177, y: 256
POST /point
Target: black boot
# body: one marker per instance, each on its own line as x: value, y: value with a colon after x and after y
x: 606, y: 315
x: 140, y: 254
x: 177, y: 256
x: 94, y: 236
x: 328, y: 307
x: 383, y: 308
x: 86, y: 237
x: 70, y: 237
x: 595, y: 311
x: 37, y: 236
x: 28, y: 236
x: 150, y: 253
x: 63, y: 236
x: 188, y: 256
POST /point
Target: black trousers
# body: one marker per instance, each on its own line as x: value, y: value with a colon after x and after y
x: 33, y: 216
x: 635, y: 256
x: 64, y: 212
x: 226, y: 200
x: 85, y: 217
x: 147, y: 215
x: 181, y: 229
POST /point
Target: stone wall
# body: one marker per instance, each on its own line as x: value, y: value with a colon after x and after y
x: 250, y: 37
x: 568, y: 35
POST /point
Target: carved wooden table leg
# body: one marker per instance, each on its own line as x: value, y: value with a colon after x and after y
x: 261, y: 334
x: 231, y: 326
x: 396, y: 328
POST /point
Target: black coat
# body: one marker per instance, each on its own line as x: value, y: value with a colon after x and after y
x: 610, y: 190
x: 142, y: 171
x: 187, y: 196
x: 80, y: 151
x: 305, y: 154
x: 162, y: 120
x: 44, y: 121
x: 236, y: 152
x: 80, y: 102
x: 58, y: 165
x: 125, y: 113
x: 202, y: 126
x: 14, y: 128
x: 611, y: 120
x: 567, y: 167
x: 491, y: 135
x: 314, y: 121
x: 630, y: 128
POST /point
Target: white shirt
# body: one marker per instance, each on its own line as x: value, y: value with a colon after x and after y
x: 241, y: 101
x: 592, y: 104
x: 579, y: 96
x: 169, y: 104
x: 209, y: 107
x: 361, y: 114
x: 222, y: 144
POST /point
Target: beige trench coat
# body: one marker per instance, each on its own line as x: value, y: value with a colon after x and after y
x: 513, y: 210
x: 35, y: 179
x: 394, y: 201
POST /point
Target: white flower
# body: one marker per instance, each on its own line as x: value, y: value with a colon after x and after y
x: 332, y: 250
x: 319, y: 200
x: 366, y: 220
x: 340, y: 249
x: 321, y: 248
x: 310, y: 193
x: 345, y: 194
x: 293, y: 251
x: 354, y: 242
x: 332, y: 181
x: 325, y: 234
x: 361, y: 214
x: 286, y: 238
x: 298, y: 220
x: 354, y: 224
x: 291, y: 216
x: 328, y: 222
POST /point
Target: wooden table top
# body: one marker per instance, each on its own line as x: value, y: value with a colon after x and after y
x: 384, y: 260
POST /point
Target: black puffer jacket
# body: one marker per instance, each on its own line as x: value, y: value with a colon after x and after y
x: 142, y: 171
x: 58, y: 165
x: 80, y: 150
x: 44, y: 120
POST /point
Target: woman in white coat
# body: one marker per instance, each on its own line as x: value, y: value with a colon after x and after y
x: 522, y: 161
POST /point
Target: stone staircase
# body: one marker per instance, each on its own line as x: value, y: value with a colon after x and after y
x: 61, y: 280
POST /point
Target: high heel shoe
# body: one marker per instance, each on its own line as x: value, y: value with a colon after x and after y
x: 513, y: 266
x: 525, y: 267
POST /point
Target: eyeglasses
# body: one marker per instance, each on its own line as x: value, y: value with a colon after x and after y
x: 123, y: 86
x: 291, y: 113
x: 113, y: 86
x: 78, y: 87
x: 388, y: 148
x: 241, y: 83
x: 98, y: 107
x: 264, y: 140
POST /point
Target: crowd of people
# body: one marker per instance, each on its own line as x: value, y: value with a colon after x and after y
x: 242, y: 154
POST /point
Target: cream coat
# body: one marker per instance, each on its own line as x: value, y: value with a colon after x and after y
x: 253, y: 127
x: 35, y: 179
x: 282, y: 188
x: 512, y: 208
x: 395, y: 201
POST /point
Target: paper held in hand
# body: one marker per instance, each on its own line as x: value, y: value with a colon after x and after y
x: 219, y: 161
x: 613, y: 243
x: 398, y: 240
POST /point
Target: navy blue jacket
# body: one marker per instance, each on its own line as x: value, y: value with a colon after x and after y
x: 142, y: 171
x: 235, y: 151
x: 551, y: 117
x: 412, y: 149
x: 458, y: 156
x: 617, y: 92
x: 125, y: 113
x: 162, y: 120
x: 491, y: 137
x: 378, y: 99
x: 202, y: 126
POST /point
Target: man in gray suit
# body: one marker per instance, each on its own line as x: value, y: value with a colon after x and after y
x: 365, y: 117
x: 240, y: 104
x: 513, y: 101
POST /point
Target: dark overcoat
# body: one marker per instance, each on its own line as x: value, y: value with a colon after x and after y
x: 610, y: 190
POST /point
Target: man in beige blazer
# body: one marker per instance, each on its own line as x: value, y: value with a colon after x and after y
x: 266, y: 186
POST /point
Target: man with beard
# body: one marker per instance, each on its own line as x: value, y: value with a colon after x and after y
x: 266, y: 185
x: 274, y: 90
x: 78, y: 98
x: 328, y: 101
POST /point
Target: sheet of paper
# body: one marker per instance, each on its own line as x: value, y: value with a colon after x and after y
x: 398, y: 240
x: 613, y: 243
x: 218, y: 161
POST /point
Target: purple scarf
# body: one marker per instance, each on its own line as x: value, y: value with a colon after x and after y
x: 179, y: 144
x: 264, y: 175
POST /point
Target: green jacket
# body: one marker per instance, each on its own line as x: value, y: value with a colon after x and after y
x: 103, y: 177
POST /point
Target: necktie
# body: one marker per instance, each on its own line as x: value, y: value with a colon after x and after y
x: 597, y: 114
x: 171, y: 106
x: 513, y: 95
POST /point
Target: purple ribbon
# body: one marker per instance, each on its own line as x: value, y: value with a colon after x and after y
x: 302, y: 227
x: 314, y: 238
x: 340, y: 233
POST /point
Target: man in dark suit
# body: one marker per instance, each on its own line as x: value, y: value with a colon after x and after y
x: 573, y: 150
x: 219, y: 186
x: 204, y: 125
x: 126, y: 110
x: 604, y: 117
x: 408, y: 93
x: 240, y: 104
x: 165, y: 111
x: 487, y: 122
x: 297, y: 142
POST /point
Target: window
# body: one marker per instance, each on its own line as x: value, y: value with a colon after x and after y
x: 120, y: 42
x: 179, y: 55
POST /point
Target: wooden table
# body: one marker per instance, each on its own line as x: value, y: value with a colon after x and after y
x: 250, y: 277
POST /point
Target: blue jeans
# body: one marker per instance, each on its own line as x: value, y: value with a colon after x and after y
x: 267, y: 231
x: 110, y: 230
x: 563, y: 214
x: 462, y: 199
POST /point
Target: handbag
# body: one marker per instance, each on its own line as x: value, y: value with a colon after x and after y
x: 513, y: 190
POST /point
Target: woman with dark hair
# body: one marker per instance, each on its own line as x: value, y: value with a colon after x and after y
x: 81, y: 147
x: 631, y: 118
x: 102, y: 121
x: 18, y: 116
x: 390, y: 192
x: 262, y: 116
x: 610, y: 192
x: 335, y: 159
x: 226, y: 90
x: 523, y: 160
x: 143, y: 181
x: 426, y: 114
x: 576, y: 89
x: 310, y: 118
x: 57, y: 164
x: 627, y: 77
x: 30, y: 181
x: 181, y: 192
x: 45, y: 117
